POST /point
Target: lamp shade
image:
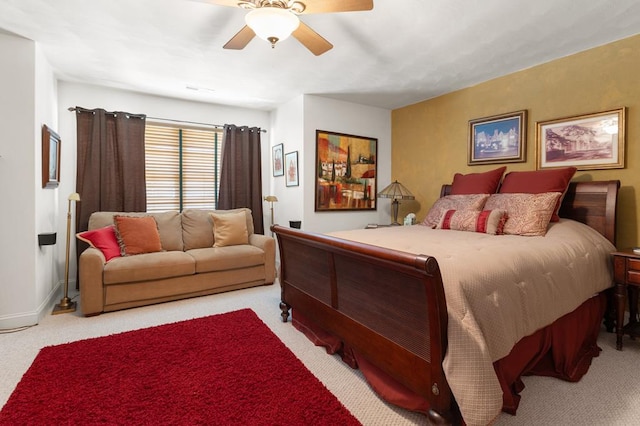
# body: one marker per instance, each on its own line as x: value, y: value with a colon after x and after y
x: 74, y: 196
x: 272, y: 24
x: 271, y: 198
x: 396, y: 191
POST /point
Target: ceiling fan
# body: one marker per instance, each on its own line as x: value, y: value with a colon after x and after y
x: 275, y: 20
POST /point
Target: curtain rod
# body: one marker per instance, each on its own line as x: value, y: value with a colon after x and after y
x: 217, y: 126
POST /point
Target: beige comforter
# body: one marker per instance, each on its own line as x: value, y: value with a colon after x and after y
x: 498, y: 290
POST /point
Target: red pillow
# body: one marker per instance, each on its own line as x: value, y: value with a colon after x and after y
x: 477, y: 183
x: 104, y: 239
x: 485, y: 221
x: 539, y: 181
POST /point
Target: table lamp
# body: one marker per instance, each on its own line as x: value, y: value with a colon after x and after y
x: 396, y: 191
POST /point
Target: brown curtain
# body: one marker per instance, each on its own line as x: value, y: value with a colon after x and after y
x: 241, y: 172
x: 110, y: 173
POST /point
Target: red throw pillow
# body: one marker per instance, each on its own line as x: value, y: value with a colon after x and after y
x: 539, y: 181
x: 477, y: 183
x: 104, y: 239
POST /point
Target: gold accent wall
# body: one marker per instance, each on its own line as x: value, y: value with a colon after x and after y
x: 430, y: 138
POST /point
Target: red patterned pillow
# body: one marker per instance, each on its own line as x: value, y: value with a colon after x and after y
x: 485, y: 221
x: 528, y: 214
x: 477, y: 183
x: 453, y: 202
x: 104, y: 239
x: 539, y: 181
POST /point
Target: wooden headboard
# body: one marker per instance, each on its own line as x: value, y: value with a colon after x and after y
x: 593, y: 203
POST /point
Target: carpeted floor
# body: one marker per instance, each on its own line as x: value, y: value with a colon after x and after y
x: 607, y: 395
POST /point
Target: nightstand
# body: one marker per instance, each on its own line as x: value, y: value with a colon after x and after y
x: 626, y: 272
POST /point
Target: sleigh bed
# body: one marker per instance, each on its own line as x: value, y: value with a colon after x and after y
x: 388, y: 310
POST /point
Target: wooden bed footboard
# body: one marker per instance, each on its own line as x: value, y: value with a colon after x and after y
x: 387, y: 305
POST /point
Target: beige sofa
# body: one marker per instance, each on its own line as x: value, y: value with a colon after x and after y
x: 187, y: 266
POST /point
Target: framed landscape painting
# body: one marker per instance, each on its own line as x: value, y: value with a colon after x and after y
x: 346, y: 172
x: 498, y: 139
x: 587, y: 142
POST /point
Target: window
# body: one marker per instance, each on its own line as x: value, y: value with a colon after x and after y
x: 182, y: 167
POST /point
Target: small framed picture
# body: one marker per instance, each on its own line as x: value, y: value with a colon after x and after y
x: 291, y: 164
x: 498, y: 139
x: 278, y: 168
x: 587, y: 142
x: 50, y: 158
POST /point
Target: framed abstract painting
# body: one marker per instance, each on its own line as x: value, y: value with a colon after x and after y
x: 346, y: 172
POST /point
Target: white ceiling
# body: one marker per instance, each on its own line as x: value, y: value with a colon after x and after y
x: 401, y: 52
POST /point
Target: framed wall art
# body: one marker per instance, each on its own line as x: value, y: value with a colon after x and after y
x: 587, y: 142
x: 277, y: 157
x: 291, y: 165
x: 498, y: 139
x: 346, y: 172
x: 50, y: 158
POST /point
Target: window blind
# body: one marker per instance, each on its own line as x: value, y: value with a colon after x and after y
x: 182, y: 167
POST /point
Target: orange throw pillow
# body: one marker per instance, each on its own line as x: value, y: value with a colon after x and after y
x: 137, y: 235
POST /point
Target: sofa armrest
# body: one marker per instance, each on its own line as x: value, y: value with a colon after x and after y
x: 268, y: 245
x: 91, y: 267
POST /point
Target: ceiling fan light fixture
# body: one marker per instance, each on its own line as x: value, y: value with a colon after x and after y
x: 272, y: 24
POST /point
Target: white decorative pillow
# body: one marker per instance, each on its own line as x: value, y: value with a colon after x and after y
x: 453, y: 202
x: 229, y: 229
x: 485, y: 221
x: 528, y: 214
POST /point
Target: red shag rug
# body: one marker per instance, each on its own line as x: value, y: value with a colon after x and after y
x: 227, y: 369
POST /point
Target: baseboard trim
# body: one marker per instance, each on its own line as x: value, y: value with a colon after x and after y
x: 31, y: 318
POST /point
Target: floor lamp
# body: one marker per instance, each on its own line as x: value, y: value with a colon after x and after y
x: 396, y: 191
x: 66, y: 305
x: 271, y: 199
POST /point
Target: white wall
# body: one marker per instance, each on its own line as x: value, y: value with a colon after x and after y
x: 343, y: 117
x: 89, y: 96
x: 287, y: 129
x: 49, y: 274
x: 27, y: 279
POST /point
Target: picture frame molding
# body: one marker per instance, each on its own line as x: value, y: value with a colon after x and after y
x: 292, y: 176
x: 617, y: 147
x: 491, y: 124
x: 277, y: 152
x: 51, y: 144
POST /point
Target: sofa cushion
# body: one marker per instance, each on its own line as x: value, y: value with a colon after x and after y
x: 169, y: 225
x: 137, y: 235
x: 104, y: 239
x: 197, y: 226
x: 148, y: 266
x: 229, y: 229
x: 226, y: 258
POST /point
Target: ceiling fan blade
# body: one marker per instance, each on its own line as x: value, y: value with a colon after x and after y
x: 241, y: 39
x: 232, y: 3
x: 327, y: 6
x: 311, y: 39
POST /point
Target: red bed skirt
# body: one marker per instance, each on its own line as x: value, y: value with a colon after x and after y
x: 563, y: 349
